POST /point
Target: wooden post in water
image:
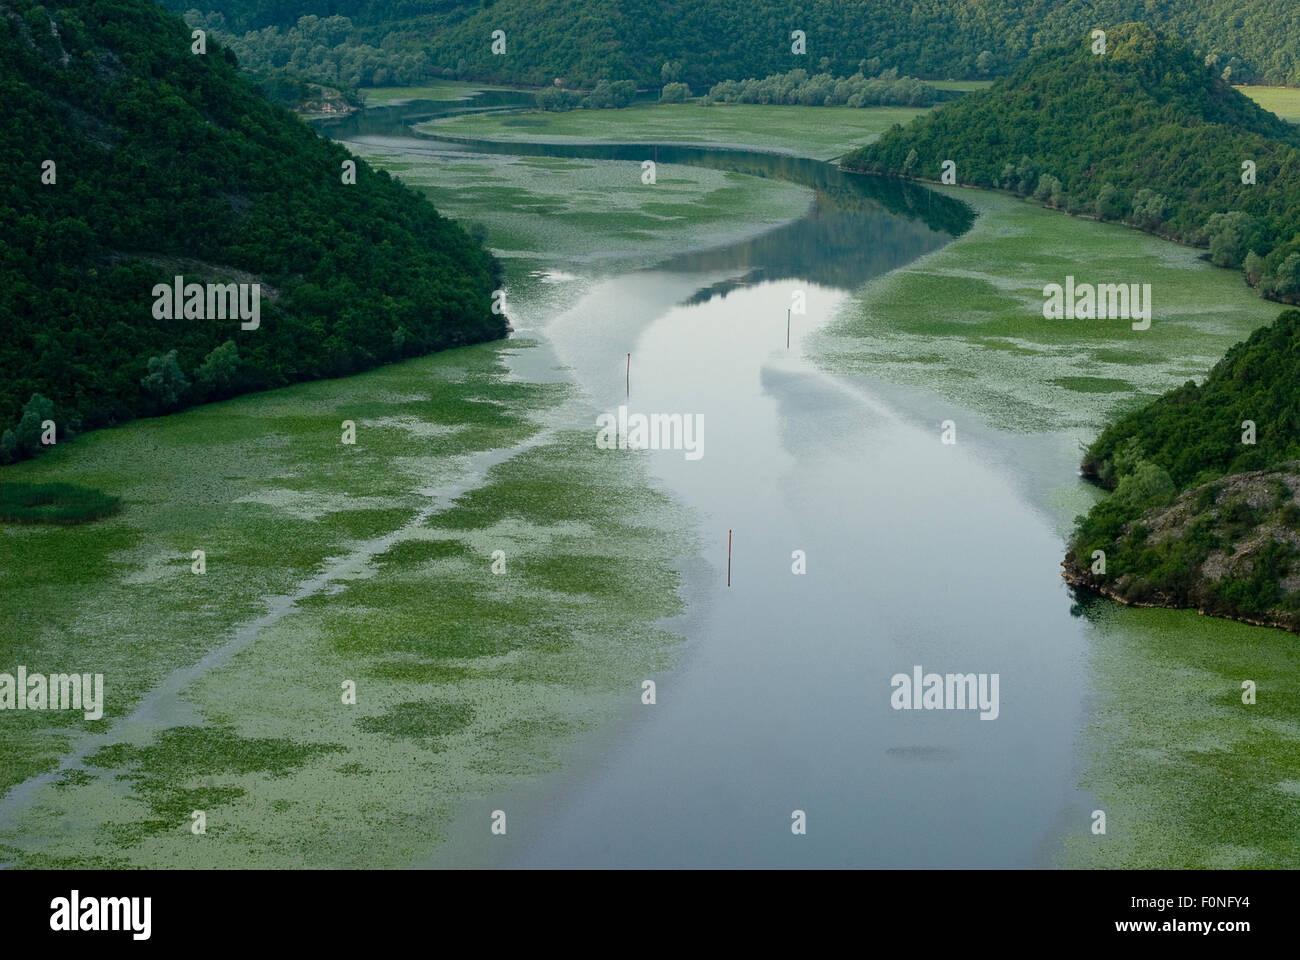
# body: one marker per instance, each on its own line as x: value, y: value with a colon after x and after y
x: 787, y: 328
x: 728, y: 558
x: 629, y: 374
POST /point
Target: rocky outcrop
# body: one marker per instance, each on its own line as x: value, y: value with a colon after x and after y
x: 1227, y: 548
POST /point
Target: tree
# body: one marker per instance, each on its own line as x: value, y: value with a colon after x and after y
x: 1048, y: 187
x: 610, y: 95
x: 72, y: 262
x: 24, y: 438
x: 675, y: 93
x: 557, y: 99
x: 1109, y: 205
x: 219, y: 372
x: 1147, y: 486
x: 1026, y: 176
x: 165, y: 382
x: 1230, y: 236
x: 1287, y: 278
x: 1146, y: 135
x: 1149, y: 208
x: 1254, y: 266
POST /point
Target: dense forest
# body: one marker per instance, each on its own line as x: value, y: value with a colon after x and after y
x: 704, y: 42
x: 1145, y: 134
x: 129, y: 160
x: 1204, y: 511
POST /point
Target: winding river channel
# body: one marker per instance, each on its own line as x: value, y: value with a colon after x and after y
x: 918, y: 554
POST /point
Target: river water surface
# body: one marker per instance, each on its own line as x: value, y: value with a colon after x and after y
x: 917, y: 553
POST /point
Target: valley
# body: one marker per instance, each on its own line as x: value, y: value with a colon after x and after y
x: 521, y: 690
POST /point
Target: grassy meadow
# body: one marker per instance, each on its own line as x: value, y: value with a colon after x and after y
x: 1284, y: 101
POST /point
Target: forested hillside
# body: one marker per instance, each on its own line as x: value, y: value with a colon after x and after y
x: 1205, y: 510
x: 1144, y: 134
x: 703, y: 42
x: 129, y: 159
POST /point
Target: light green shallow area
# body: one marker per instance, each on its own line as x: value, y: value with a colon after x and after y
x: 966, y: 321
x: 822, y: 132
x: 262, y: 484
x: 465, y: 678
x: 542, y: 207
x: 1189, y: 776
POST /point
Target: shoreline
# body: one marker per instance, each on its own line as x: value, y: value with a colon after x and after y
x: 1072, y: 575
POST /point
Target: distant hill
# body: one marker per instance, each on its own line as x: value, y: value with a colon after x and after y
x: 713, y: 40
x: 168, y: 163
x: 1205, y: 511
x: 1144, y: 133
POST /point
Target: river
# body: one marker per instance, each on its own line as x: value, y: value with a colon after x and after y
x: 918, y: 553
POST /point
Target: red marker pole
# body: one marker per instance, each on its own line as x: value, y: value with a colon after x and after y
x: 728, y: 558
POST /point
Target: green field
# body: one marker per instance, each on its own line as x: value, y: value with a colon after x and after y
x: 822, y: 132
x: 963, y: 86
x: 1284, y: 101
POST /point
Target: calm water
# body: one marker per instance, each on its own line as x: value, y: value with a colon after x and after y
x: 918, y: 553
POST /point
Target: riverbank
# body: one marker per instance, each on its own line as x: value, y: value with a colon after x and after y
x: 1080, y: 578
x: 1225, y: 547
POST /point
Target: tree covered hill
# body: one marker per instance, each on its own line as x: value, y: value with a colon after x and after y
x: 1194, y: 433
x: 166, y: 163
x: 363, y: 42
x: 1205, y: 511
x: 1144, y: 133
